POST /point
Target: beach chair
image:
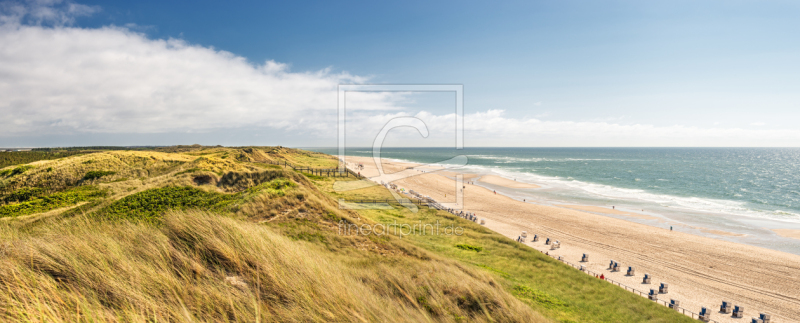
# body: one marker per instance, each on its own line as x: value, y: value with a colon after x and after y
x: 653, y: 295
x: 725, y: 307
x: 547, y: 242
x: 764, y: 317
x: 674, y: 304
x: 560, y: 258
x: 616, y: 267
x: 663, y: 288
x: 483, y: 222
x: 756, y: 320
x: 705, y: 315
x: 611, y: 264
x: 646, y: 279
x: 631, y: 272
x: 535, y: 237
x: 585, y: 258
x: 553, y: 246
x: 524, y: 234
x: 583, y: 268
x: 738, y: 311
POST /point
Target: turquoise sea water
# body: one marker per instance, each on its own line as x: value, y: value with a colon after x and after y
x: 740, y: 190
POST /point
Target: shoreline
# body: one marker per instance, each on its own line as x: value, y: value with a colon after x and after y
x: 701, y: 271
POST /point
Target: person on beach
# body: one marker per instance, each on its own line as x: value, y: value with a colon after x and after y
x: 495, y: 192
x: 612, y: 207
x: 670, y: 228
x: 602, y: 276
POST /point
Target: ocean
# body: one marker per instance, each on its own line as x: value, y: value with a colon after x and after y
x: 744, y: 191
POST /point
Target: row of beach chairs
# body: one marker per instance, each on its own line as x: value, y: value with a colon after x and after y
x: 663, y: 288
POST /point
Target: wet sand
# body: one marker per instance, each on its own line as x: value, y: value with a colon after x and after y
x: 701, y: 271
x: 504, y: 182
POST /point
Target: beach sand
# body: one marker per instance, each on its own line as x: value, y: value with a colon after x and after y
x: 789, y: 233
x: 504, y: 182
x: 600, y: 209
x: 700, y: 271
x: 467, y: 176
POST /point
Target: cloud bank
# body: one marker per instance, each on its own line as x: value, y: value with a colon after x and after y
x: 60, y: 80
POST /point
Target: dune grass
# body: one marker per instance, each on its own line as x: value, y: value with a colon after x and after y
x: 550, y: 287
x: 258, y: 243
x: 200, y: 266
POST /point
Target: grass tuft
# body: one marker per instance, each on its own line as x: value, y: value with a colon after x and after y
x: 464, y: 246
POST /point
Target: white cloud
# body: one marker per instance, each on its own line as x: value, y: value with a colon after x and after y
x: 63, y: 80
x: 494, y: 128
x: 39, y: 12
x: 57, y: 80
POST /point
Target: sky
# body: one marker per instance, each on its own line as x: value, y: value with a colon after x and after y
x: 534, y: 73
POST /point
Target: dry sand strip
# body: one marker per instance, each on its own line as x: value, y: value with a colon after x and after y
x: 700, y: 271
x: 599, y: 209
x: 789, y: 233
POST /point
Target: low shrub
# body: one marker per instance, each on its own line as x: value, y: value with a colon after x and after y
x: 150, y: 204
x: 23, y: 194
x: 95, y: 174
x: 52, y: 201
x: 16, y: 171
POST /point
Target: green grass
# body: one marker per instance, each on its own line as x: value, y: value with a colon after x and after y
x: 150, y: 204
x: 550, y: 287
x: 53, y: 201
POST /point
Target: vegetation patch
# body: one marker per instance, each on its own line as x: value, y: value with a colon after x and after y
x: 23, y: 194
x: 464, y: 246
x: 10, y: 158
x: 52, y: 201
x: 540, y: 297
x: 16, y: 171
x: 149, y: 205
x: 315, y: 177
x: 95, y: 174
x: 275, y: 187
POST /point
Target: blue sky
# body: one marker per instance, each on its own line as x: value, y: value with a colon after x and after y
x: 724, y: 65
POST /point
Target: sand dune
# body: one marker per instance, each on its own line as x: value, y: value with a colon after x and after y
x: 701, y: 271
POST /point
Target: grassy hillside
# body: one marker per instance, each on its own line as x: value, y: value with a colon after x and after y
x: 194, y: 233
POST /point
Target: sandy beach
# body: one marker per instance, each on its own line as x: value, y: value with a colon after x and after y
x: 504, y: 182
x: 700, y: 271
x: 789, y: 233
